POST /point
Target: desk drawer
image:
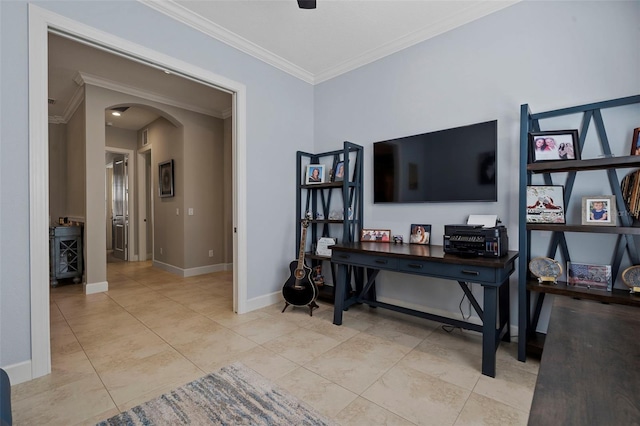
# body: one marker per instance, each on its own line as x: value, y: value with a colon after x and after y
x: 469, y: 273
x: 367, y: 260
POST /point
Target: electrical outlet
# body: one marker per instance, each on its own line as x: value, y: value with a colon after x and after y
x: 160, y: 250
x: 178, y: 212
x: 210, y: 253
x: 190, y: 211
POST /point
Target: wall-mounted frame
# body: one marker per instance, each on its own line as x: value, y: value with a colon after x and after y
x: 315, y: 174
x: 420, y: 234
x: 145, y: 137
x: 545, y: 204
x: 599, y: 210
x: 635, y: 142
x: 165, y: 179
x: 376, y: 235
x: 557, y: 145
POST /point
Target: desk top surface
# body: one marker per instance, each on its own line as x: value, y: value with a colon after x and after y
x: 590, y: 369
x: 422, y: 252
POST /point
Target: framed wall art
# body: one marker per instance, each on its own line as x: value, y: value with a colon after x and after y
x: 420, y: 234
x: 599, y: 210
x: 557, y: 145
x: 376, y: 235
x: 165, y: 179
x: 545, y: 204
x: 315, y: 174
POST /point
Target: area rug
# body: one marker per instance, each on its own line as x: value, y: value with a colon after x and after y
x: 234, y: 395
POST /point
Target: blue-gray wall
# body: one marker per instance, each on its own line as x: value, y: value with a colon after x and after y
x: 549, y: 54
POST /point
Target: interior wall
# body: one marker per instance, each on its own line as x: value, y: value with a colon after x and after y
x: 57, y: 172
x: 228, y: 192
x: 76, y: 151
x: 482, y: 71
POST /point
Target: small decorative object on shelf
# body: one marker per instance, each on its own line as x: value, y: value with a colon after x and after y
x: 420, y: 234
x: 398, y: 239
x: 553, y: 146
x: 599, y: 210
x: 316, y: 275
x: 630, y: 187
x: 596, y: 277
x: 319, y: 216
x: 635, y: 142
x: 546, y: 269
x: 338, y: 175
x: 545, y: 204
x: 336, y: 215
x: 631, y: 278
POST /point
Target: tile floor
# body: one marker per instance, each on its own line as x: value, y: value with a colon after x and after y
x: 154, y: 331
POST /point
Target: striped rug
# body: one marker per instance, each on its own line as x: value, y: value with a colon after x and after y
x: 234, y: 395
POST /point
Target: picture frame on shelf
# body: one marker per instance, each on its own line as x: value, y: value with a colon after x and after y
x: 556, y: 145
x: 545, y: 204
x: 599, y: 210
x: 420, y: 234
x: 165, y: 179
x: 635, y: 142
x: 375, y: 235
x: 597, y: 277
x: 338, y: 172
x: 315, y: 174
x: 322, y: 247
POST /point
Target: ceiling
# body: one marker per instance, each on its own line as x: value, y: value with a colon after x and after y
x: 313, y: 45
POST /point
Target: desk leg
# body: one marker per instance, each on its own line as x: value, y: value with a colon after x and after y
x: 489, y: 331
x: 338, y: 303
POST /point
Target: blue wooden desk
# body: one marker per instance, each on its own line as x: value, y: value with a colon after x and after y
x: 492, y: 274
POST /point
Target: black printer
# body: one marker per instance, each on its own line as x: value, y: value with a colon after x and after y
x: 475, y: 240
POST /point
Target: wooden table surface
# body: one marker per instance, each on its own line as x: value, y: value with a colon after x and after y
x: 590, y: 368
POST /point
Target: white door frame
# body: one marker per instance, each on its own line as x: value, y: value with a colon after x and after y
x: 40, y: 21
x: 131, y: 213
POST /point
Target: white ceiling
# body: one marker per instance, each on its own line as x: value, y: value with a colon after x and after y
x: 313, y: 45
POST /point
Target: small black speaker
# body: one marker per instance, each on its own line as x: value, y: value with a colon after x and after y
x: 307, y: 4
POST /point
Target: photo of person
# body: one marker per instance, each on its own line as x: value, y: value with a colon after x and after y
x: 315, y: 173
x: 556, y: 145
x: 376, y: 235
x: 635, y: 142
x: 599, y: 210
x: 339, y: 172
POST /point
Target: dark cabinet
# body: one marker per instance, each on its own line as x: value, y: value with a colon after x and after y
x: 65, y: 253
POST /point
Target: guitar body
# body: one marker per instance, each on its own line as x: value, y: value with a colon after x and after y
x: 299, y: 290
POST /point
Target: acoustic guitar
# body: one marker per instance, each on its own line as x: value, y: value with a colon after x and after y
x: 299, y: 289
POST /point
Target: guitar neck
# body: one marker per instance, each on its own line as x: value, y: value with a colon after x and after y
x: 303, y: 243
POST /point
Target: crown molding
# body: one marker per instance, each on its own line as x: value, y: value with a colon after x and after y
x: 197, y: 22
x: 93, y: 80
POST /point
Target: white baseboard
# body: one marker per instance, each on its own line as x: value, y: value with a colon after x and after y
x: 264, y: 301
x: 192, y: 272
x: 92, y: 288
x: 19, y: 373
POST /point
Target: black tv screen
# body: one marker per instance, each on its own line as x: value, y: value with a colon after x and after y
x: 450, y: 165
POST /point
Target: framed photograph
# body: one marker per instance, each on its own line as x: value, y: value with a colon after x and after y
x: 557, y: 145
x: 322, y: 248
x: 315, y: 174
x: 545, y: 204
x: 338, y: 172
x: 376, y: 235
x: 420, y: 234
x: 589, y: 276
x: 599, y: 210
x: 635, y: 142
x: 165, y: 179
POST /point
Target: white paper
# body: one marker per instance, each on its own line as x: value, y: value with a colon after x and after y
x: 486, y: 220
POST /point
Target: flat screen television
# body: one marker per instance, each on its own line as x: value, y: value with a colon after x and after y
x: 451, y: 165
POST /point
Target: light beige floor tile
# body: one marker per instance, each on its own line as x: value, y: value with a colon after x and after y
x: 230, y: 319
x: 265, y: 362
x: 125, y: 349
x: 480, y: 410
x: 362, y: 412
x: 358, y: 362
x: 320, y: 393
x: 442, y: 368
x: 264, y: 329
x: 511, y: 386
x: 67, y: 404
x: 301, y: 345
x: 189, y: 328
x: 461, y: 352
x: 418, y: 397
x: 508, y: 353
